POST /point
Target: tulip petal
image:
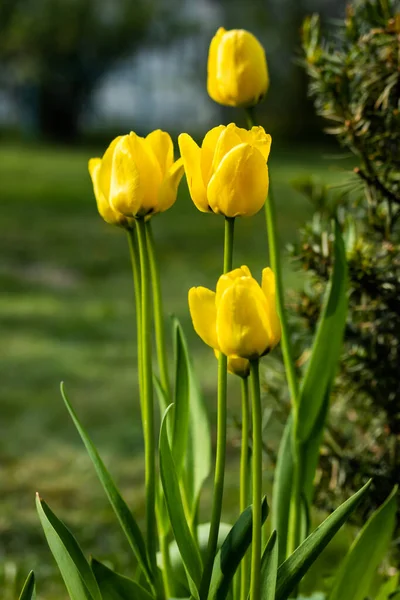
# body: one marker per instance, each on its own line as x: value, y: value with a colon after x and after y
x: 163, y: 149
x: 241, y: 75
x: 204, y: 314
x: 106, y: 212
x: 212, y: 84
x: 256, y: 137
x: 227, y: 280
x: 269, y: 288
x: 242, y: 328
x: 149, y: 171
x: 226, y: 141
x: 126, y: 191
x: 239, y: 186
x: 191, y: 153
x: 207, y: 151
x: 106, y: 166
x: 169, y: 187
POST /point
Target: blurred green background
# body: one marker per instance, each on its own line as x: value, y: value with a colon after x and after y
x: 73, y: 74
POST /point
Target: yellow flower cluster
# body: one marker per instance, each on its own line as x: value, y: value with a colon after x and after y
x: 228, y: 175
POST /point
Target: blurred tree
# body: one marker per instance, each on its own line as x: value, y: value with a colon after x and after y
x: 58, y: 49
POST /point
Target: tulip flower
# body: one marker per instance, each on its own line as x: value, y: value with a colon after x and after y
x: 240, y: 318
x: 137, y: 177
x: 228, y: 175
x: 237, y: 68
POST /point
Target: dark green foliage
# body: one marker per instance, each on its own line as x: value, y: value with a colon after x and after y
x: 354, y: 79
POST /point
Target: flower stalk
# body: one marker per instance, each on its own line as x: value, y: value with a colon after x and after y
x: 147, y: 397
x: 221, y: 434
x: 257, y: 480
x: 158, y: 312
x: 244, y: 479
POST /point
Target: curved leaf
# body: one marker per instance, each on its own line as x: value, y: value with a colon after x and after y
x: 187, y: 546
x: 29, y: 589
x: 75, y: 570
x: 296, y: 566
x: 269, y: 568
x: 358, y: 569
x: 117, y: 587
x: 283, y: 480
x: 326, y: 347
x: 124, y: 515
x: 232, y: 551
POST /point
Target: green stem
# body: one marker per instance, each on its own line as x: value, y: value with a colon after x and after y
x: 274, y: 257
x: 295, y: 511
x: 244, y: 480
x: 158, y: 312
x: 147, y: 398
x: 221, y: 435
x: 167, y: 573
x: 134, y: 255
x: 257, y: 480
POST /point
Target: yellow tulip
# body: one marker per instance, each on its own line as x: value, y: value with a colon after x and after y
x: 237, y: 68
x: 240, y: 318
x: 228, y: 175
x: 136, y: 177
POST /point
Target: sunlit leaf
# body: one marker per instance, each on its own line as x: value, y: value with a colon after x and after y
x: 75, y: 570
x: 355, y: 575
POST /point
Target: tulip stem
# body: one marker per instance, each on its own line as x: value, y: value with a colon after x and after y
x: 147, y: 398
x: 134, y: 255
x: 221, y: 435
x: 228, y: 243
x: 257, y: 480
x: 158, y: 312
x: 244, y: 480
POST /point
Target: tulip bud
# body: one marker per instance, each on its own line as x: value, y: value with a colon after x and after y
x: 136, y: 177
x: 228, y: 175
x: 240, y: 319
x: 237, y: 68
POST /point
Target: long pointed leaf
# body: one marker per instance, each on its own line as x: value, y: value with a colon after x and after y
x: 124, y: 515
x: 327, y: 345
x: 117, y: 587
x: 29, y: 589
x: 198, y: 448
x: 75, y: 570
x: 181, y: 403
x: 358, y: 569
x: 269, y: 568
x: 232, y: 551
x: 283, y: 481
x: 187, y: 546
x: 296, y: 566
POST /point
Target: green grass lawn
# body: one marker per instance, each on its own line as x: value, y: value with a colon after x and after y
x: 67, y: 313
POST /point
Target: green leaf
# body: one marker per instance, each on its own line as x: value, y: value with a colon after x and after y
x: 117, y: 587
x: 358, y: 569
x: 184, y: 539
x: 283, y: 480
x: 181, y: 403
x: 124, y: 515
x: 198, y: 447
x: 297, y: 564
x: 75, y: 570
x: 326, y: 347
x: 29, y: 589
x: 310, y: 450
x: 269, y: 568
x: 231, y: 553
x: 389, y: 589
